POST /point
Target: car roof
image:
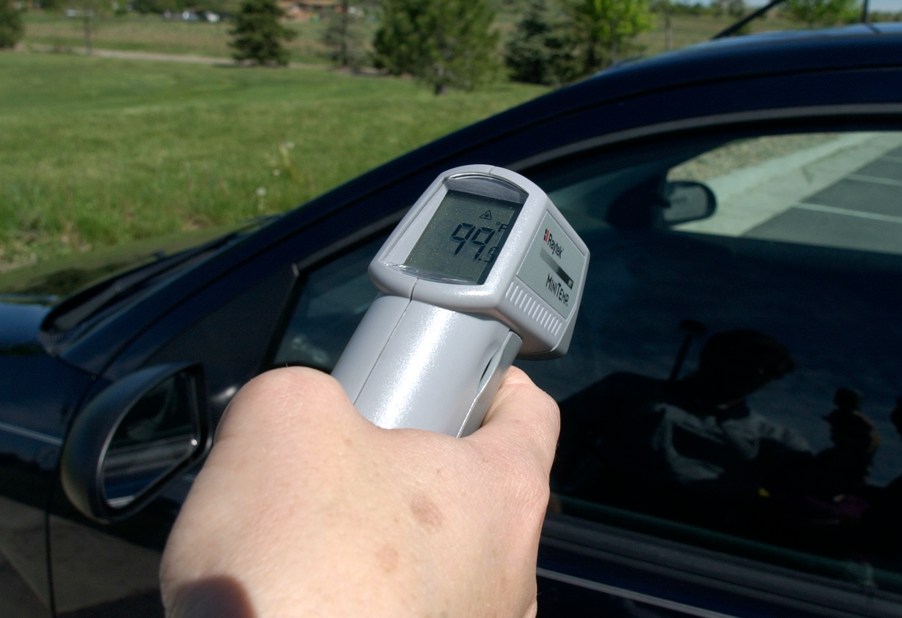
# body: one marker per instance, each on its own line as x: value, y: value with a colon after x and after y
x: 763, y: 53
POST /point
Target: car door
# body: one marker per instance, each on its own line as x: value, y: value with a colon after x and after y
x: 730, y: 404
x: 108, y: 565
x: 619, y: 541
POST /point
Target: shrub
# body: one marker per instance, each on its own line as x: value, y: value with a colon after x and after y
x: 11, y: 28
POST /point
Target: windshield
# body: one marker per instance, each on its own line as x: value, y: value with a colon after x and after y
x: 739, y: 26
x: 113, y: 290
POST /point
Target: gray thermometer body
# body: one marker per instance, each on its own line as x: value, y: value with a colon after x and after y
x: 482, y: 269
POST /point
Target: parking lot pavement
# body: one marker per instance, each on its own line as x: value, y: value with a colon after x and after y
x: 100, y: 572
x: 860, y: 210
x: 841, y: 192
x: 16, y: 598
x: 23, y: 573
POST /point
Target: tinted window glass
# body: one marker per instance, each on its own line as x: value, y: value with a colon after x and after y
x: 333, y: 299
x: 735, y: 374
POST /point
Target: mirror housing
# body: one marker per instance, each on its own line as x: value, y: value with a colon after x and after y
x: 687, y: 201
x: 133, y: 438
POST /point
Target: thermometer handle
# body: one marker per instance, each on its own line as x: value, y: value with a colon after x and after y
x: 413, y: 365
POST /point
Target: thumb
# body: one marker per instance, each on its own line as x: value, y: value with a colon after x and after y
x: 524, y: 419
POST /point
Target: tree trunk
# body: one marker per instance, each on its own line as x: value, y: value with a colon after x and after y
x: 89, y: 48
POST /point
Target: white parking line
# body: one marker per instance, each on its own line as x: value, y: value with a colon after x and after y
x: 879, y: 180
x: 752, y: 196
x: 833, y: 210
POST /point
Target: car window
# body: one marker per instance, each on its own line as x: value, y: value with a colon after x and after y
x: 735, y: 370
x: 334, y: 296
x: 734, y: 378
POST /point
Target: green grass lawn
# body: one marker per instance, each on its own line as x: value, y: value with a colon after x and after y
x: 97, y: 151
x: 129, y: 33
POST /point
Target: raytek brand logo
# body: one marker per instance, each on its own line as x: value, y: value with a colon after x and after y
x: 556, y: 249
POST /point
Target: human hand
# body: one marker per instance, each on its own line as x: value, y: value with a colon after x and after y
x: 305, y: 508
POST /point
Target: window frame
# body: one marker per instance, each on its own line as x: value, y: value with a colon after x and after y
x: 595, y: 555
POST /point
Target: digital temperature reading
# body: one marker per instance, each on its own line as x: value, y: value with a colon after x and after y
x: 482, y: 269
x: 462, y: 239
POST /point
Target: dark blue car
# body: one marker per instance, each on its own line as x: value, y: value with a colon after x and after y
x: 731, y: 425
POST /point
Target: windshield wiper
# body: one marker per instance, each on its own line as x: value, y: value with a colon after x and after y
x: 739, y: 25
x: 76, y: 308
x: 89, y: 301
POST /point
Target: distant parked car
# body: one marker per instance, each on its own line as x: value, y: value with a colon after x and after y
x: 728, y: 445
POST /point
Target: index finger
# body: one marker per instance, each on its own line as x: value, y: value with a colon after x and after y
x: 523, y: 416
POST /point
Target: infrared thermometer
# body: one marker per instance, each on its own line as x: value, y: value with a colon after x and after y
x: 483, y: 269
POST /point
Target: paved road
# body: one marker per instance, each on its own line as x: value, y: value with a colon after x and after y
x: 843, y: 192
x: 160, y: 57
x: 860, y: 210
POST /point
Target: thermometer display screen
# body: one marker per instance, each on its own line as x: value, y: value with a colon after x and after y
x: 463, y: 238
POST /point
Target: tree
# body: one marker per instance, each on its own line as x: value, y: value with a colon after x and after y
x: 11, y: 28
x: 731, y: 8
x: 822, y: 12
x: 540, y: 50
x: 604, y: 28
x: 344, y: 36
x: 665, y: 8
x: 258, y: 36
x: 444, y: 43
x: 90, y: 12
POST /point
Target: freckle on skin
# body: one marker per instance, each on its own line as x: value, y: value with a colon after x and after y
x: 426, y: 512
x: 387, y: 557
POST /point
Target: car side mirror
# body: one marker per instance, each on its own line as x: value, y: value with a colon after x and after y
x: 688, y: 201
x: 133, y: 438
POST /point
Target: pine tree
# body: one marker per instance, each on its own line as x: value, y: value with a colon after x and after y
x: 10, y: 24
x: 444, y: 43
x: 540, y: 51
x: 822, y: 12
x: 345, y: 36
x: 605, y: 29
x: 258, y: 36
